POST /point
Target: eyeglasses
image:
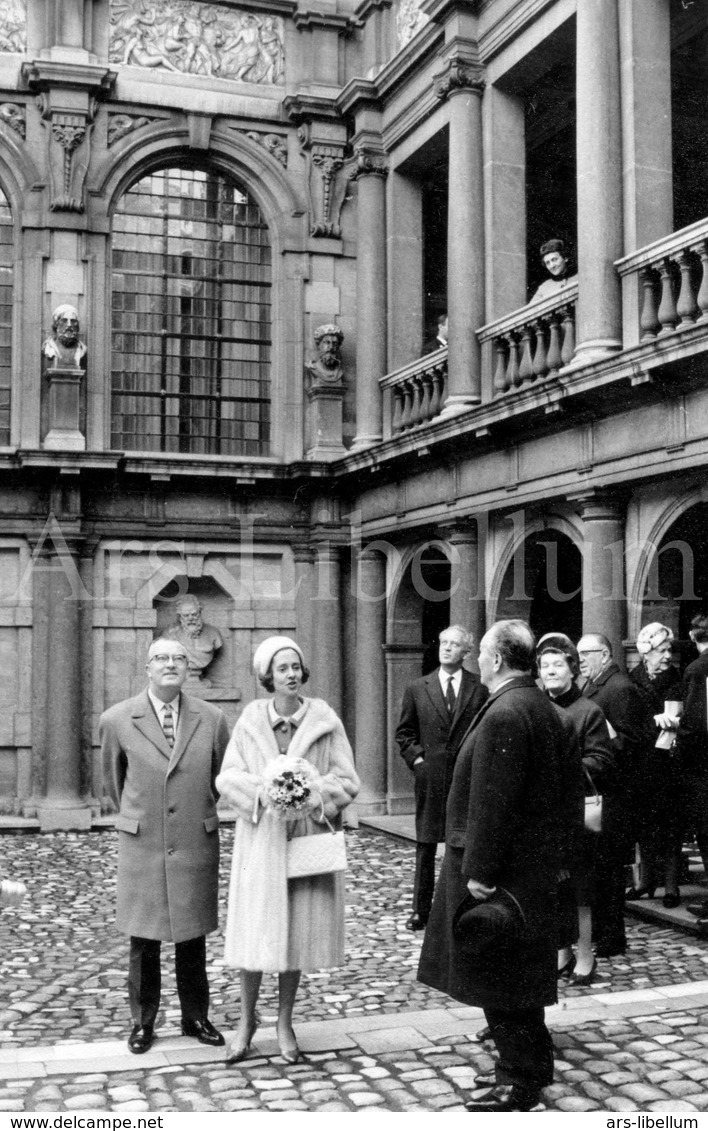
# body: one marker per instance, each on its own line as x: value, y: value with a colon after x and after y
x: 162, y: 658
x: 589, y: 652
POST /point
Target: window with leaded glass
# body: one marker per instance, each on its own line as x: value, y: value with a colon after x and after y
x: 191, y: 317
x: 6, y: 280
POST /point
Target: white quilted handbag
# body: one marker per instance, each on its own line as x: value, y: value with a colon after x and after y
x: 316, y: 855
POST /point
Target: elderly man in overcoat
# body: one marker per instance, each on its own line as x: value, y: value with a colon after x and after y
x: 508, y: 826
x: 436, y: 711
x: 163, y: 750
x: 632, y: 734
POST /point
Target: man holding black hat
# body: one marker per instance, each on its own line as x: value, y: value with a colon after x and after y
x: 506, y: 833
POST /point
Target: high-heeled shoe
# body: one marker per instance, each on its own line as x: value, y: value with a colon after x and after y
x: 632, y: 894
x: 585, y: 979
x: 671, y: 899
x: 289, y: 1053
x: 236, y: 1053
x: 567, y: 970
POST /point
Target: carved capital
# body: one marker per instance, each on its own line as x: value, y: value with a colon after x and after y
x: 460, y: 74
x: 368, y: 163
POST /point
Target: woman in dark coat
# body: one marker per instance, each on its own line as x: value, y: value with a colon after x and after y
x: 659, y: 810
x: 558, y: 668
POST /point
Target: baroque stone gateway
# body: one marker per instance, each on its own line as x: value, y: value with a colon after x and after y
x: 197, y: 39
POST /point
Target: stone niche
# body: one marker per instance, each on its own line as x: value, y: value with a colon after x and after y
x: 217, y: 679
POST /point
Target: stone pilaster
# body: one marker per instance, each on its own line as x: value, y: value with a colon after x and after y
x: 327, y: 625
x: 371, y: 728
x: 403, y: 665
x: 599, y: 161
x: 303, y: 558
x: 603, y: 577
x: 462, y: 85
x: 369, y: 171
x: 467, y: 601
x: 322, y: 137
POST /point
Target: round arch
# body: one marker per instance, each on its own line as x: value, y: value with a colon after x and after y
x: 161, y: 143
x: 517, y: 538
x: 651, y: 544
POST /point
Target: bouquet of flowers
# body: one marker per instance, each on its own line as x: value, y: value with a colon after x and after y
x: 289, y: 788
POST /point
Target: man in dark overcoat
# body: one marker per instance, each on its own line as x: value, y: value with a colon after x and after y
x: 507, y: 829
x: 622, y: 704
x: 435, y: 714
x: 692, y: 747
x: 163, y: 750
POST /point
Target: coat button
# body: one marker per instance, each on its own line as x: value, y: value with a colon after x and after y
x: 170, y: 851
x: 171, y: 810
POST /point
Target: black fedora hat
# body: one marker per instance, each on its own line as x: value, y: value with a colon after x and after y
x: 480, y: 924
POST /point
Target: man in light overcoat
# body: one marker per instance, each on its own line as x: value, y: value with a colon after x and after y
x: 436, y: 711
x: 163, y: 750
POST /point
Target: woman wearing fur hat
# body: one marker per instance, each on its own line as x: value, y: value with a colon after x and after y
x: 276, y: 924
x: 558, y: 667
x: 659, y: 815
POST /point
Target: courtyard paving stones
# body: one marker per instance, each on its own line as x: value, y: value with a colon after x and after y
x: 374, y: 1037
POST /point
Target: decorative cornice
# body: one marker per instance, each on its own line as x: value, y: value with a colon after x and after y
x: 303, y: 107
x: 43, y: 75
x: 459, y: 74
x: 331, y: 21
x: 366, y: 7
x: 358, y: 94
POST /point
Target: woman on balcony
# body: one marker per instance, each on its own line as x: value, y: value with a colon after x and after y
x: 555, y: 259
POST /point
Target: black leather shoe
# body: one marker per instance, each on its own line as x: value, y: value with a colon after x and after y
x: 483, y: 1035
x: 671, y: 899
x: 609, y: 947
x: 504, y: 1097
x: 486, y: 1080
x: 699, y: 908
x: 204, y: 1031
x: 141, y: 1038
x: 417, y: 922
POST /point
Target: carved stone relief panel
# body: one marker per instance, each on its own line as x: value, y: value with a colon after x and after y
x: 275, y: 144
x: 198, y: 39
x: 121, y: 124
x: 409, y: 20
x: 13, y: 26
x: 13, y: 116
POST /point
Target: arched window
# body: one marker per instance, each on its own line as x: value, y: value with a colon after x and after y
x: 191, y: 317
x: 6, y: 280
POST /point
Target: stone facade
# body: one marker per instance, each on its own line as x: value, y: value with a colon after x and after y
x: 206, y: 185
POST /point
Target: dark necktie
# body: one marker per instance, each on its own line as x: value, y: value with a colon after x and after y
x: 450, y: 695
x: 168, y: 725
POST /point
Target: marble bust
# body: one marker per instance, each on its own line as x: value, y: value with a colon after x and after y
x: 201, y: 641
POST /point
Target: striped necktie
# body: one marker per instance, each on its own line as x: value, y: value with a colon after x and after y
x: 168, y: 725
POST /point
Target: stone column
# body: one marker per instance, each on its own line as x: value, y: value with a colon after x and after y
x: 57, y: 588
x: 327, y: 626
x: 599, y: 162
x: 604, y: 602
x: 371, y: 728
x: 467, y: 601
x: 403, y: 665
x: 462, y: 86
x: 370, y: 174
x: 405, y: 269
x: 303, y: 559
x: 504, y: 202
x: 645, y: 73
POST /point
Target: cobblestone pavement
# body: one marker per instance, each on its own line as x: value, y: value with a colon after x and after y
x: 637, y: 1039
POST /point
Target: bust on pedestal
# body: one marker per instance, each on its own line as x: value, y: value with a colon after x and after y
x: 324, y: 385
x: 200, y: 641
x: 64, y: 367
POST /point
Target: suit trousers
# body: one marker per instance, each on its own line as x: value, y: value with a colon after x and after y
x: 524, y: 1045
x: 424, y: 882
x: 144, y: 979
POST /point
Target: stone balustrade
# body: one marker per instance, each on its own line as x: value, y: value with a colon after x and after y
x: 530, y: 344
x: 665, y: 285
x: 414, y: 394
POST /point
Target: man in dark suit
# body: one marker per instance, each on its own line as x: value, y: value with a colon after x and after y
x: 433, y: 344
x: 622, y: 705
x: 164, y: 750
x: 692, y: 747
x: 435, y: 714
x: 508, y: 830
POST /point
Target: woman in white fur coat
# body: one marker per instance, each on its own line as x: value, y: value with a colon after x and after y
x: 274, y: 924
